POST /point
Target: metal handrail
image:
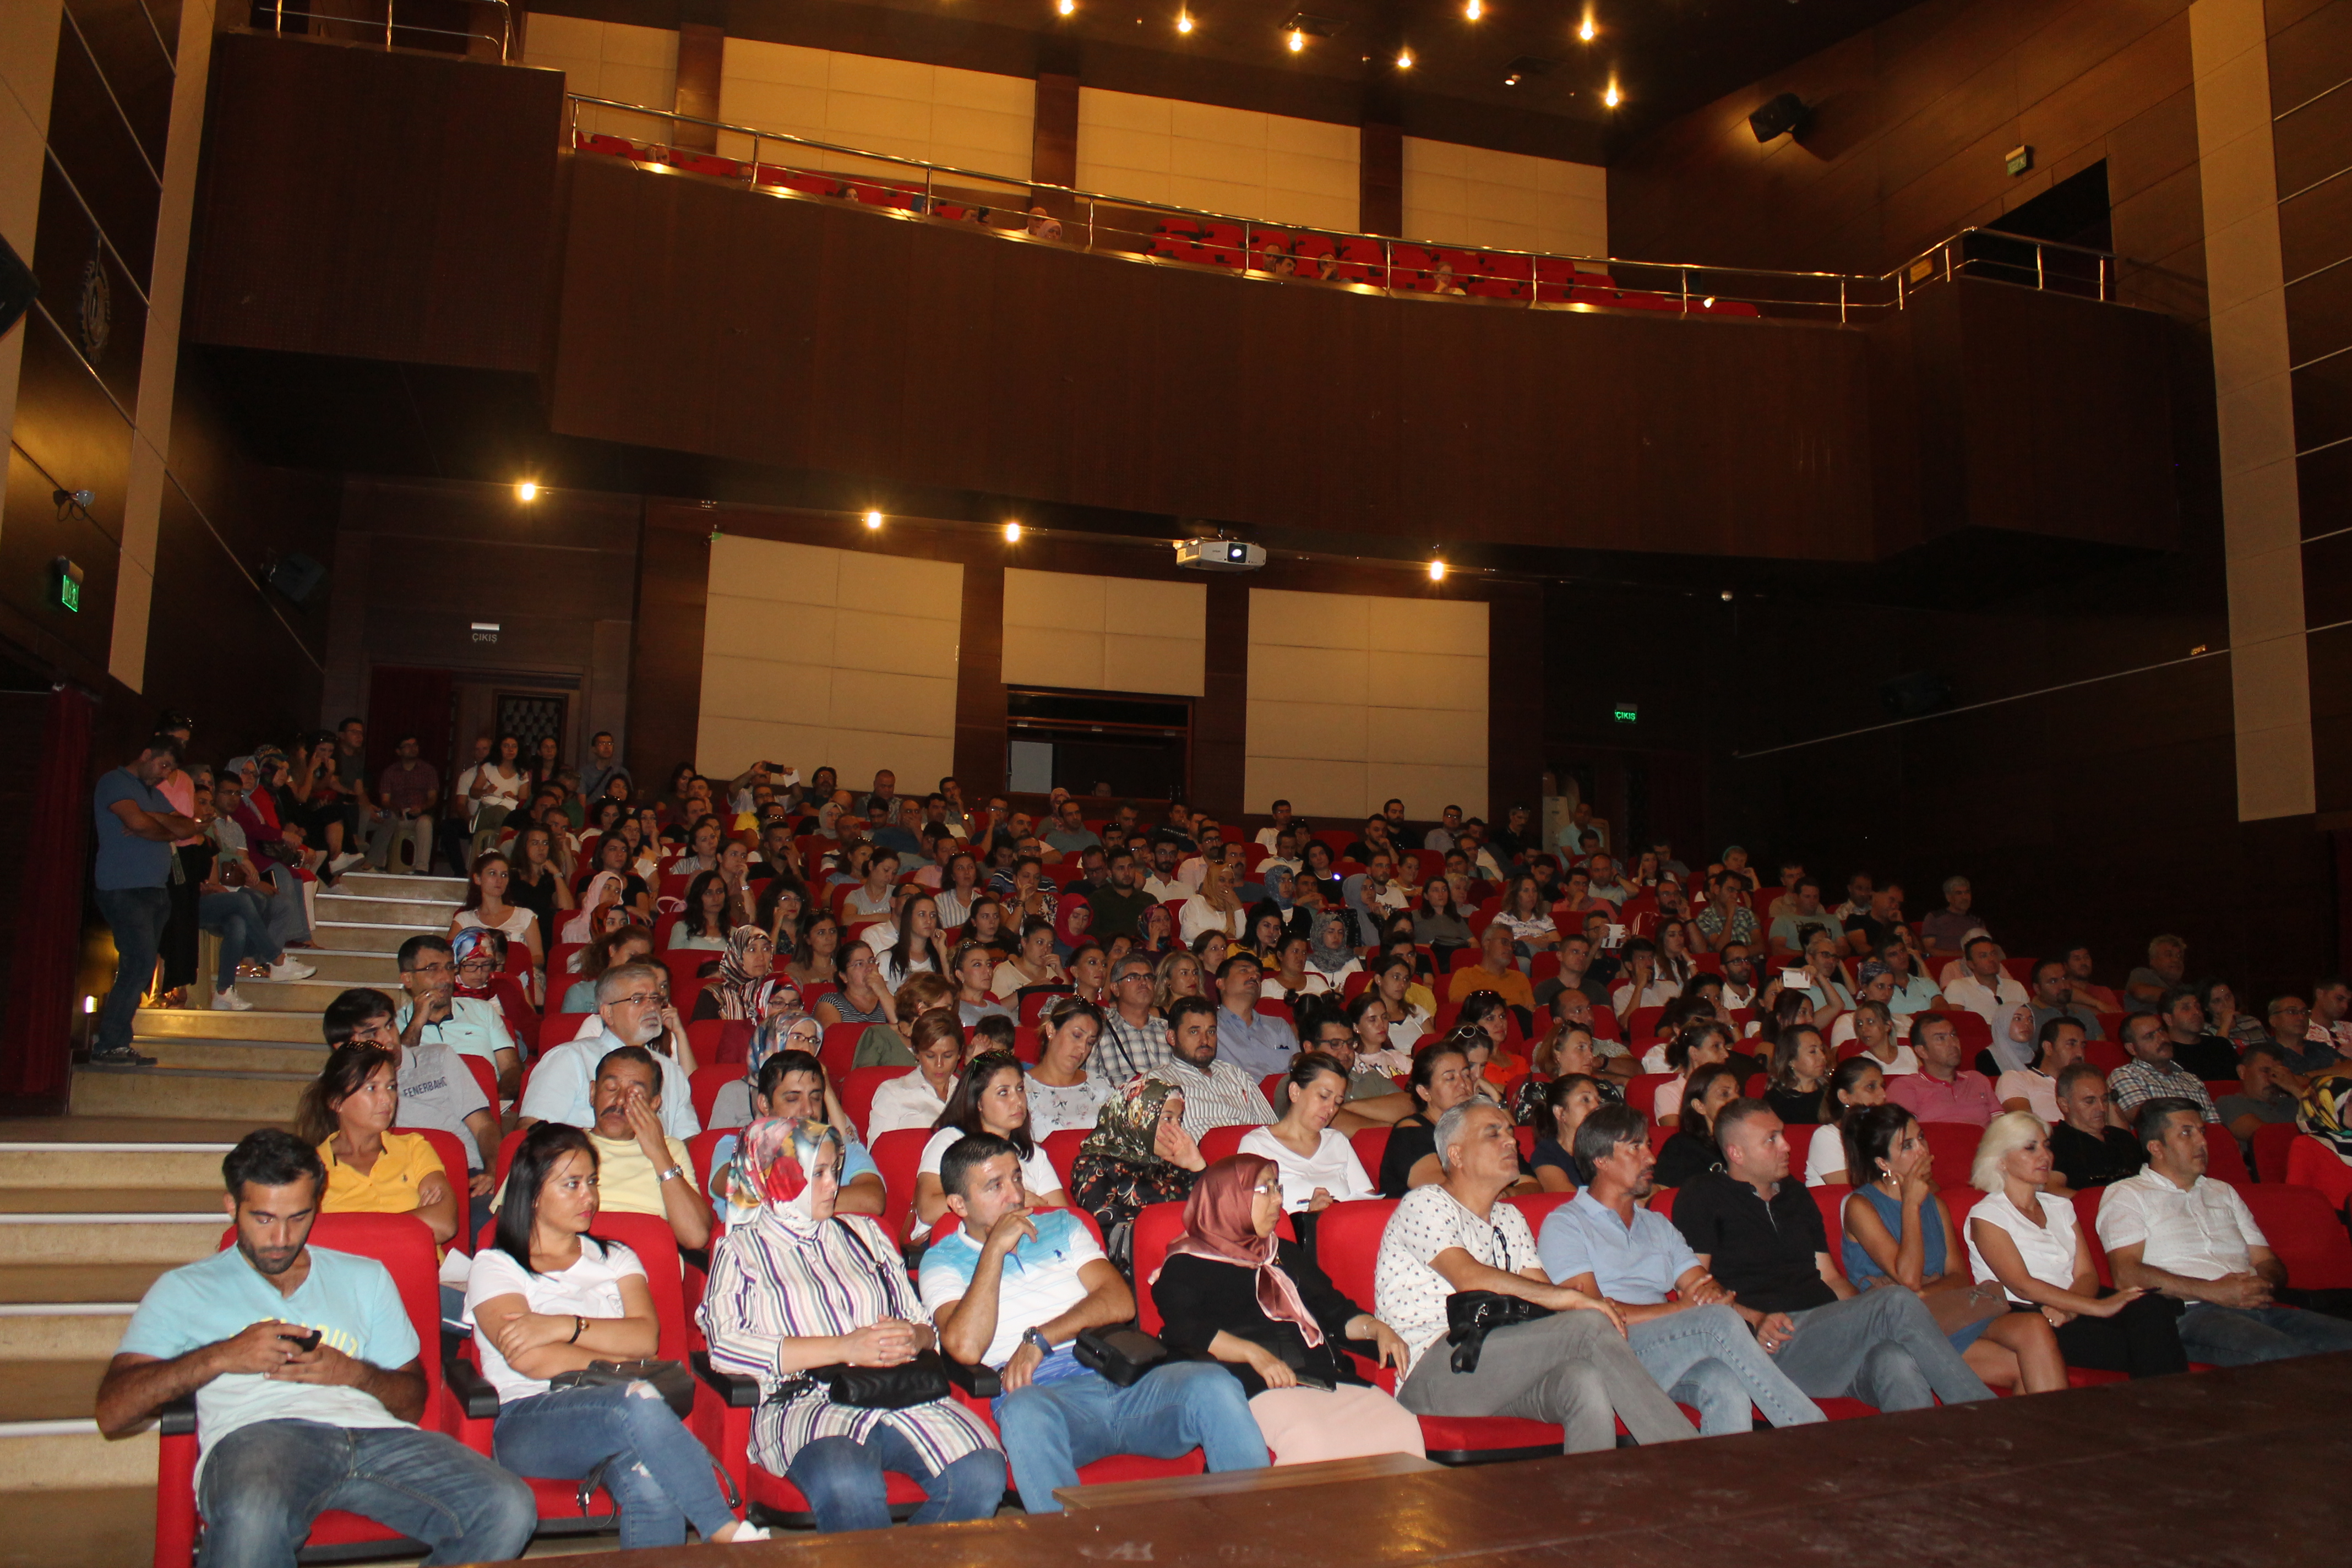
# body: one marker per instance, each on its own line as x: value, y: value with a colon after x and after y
x: 279, y: 11
x: 1853, y: 290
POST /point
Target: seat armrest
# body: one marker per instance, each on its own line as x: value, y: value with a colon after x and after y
x: 475, y: 1397
x: 741, y: 1393
x: 980, y: 1381
x: 177, y: 1419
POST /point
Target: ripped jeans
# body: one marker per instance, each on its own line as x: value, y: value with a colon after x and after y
x: 658, y: 1474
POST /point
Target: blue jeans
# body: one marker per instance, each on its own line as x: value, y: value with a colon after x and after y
x: 1882, y: 1347
x: 2240, y: 1336
x: 658, y: 1474
x: 1051, y: 1428
x: 236, y: 918
x: 263, y: 1485
x: 1708, y: 1357
x: 282, y: 910
x: 136, y: 916
x: 842, y: 1478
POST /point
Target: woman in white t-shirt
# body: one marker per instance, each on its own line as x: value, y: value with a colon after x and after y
x: 992, y: 1096
x: 1856, y: 1082
x: 1873, y: 1025
x: 2033, y: 1246
x: 1318, y: 1165
x: 487, y: 907
x: 921, y: 1097
x: 1062, y: 1093
x: 549, y: 1297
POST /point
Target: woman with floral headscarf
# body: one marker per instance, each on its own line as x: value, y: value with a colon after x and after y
x: 801, y: 1286
x: 1138, y: 1155
x: 746, y: 988
x: 1235, y: 1293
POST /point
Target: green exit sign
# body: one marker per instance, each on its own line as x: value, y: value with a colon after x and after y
x: 65, y: 584
x: 1628, y: 714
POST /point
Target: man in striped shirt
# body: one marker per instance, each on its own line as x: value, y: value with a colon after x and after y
x: 1216, y: 1093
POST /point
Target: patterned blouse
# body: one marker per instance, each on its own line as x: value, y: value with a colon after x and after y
x: 771, y: 1281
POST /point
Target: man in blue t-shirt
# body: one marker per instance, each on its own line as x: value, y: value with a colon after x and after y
x: 135, y: 826
x: 1011, y: 1290
x: 303, y: 1365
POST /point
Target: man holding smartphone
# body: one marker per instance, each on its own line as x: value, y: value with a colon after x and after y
x: 303, y: 1365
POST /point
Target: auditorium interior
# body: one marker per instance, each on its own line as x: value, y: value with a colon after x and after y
x: 1901, y: 446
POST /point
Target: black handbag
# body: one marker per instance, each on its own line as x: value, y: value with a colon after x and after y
x: 1121, y: 1355
x: 669, y: 1379
x: 920, y: 1380
x: 1471, y: 1315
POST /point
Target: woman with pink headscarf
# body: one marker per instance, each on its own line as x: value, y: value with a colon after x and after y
x: 1232, y: 1290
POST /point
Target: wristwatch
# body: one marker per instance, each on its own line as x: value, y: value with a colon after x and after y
x: 1035, y: 1336
x: 673, y: 1171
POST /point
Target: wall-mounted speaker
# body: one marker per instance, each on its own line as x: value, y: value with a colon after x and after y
x: 1785, y: 113
x: 297, y: 576
x: 19, y: 287
x: 1915, y: 695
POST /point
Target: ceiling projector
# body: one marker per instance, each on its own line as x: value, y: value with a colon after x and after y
x: 1219, y: 555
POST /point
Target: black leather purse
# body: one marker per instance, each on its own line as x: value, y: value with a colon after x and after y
x: 1121, y: 1355
x: 1471, y: 1315
x: 920, y: 1380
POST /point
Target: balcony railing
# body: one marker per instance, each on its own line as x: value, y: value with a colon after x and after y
x: 780, y: 164
x: 354, y: 22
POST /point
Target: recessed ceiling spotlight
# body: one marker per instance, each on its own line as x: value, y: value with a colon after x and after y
x: 1474, y: 9
x: 1298, y: 40
x: 1011, y: 533
x: 1184, y: 21
x: 873, y: 520
x: 1404, y: 59
x: 1612, y: 98
x: 1437, y: 571
x: 1065, y: 6
x: 1586, y: 30
x: 527, y: 490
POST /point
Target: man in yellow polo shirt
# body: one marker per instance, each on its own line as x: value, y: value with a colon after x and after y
x: 641, y: 1169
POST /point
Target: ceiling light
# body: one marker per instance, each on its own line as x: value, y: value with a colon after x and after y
x: 1404, y: 59
x: 1298, y: 40
x: 527, y: 490
x: 1587, y: 31
x: 1011, y: 533
x: 873, y: 520
x: 1474, y: 10
x: 1437, y: 571
x: 1065, y: 6
x: 1612, y: 98
x: 1184, y: 21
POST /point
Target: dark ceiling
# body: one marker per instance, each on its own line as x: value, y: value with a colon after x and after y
x: 1669, y: 57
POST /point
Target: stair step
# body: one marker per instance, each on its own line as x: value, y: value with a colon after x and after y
x: 49, y: 1390
x: 351, y: 934
x: 351, y: 966
x: 50, y: 1457
x: 238, y: 1055
x: 257, y: 1098
x: 72, y: 1330
x: 203, y: 1023
x: 307, y: 996
x: 60, y: 1200
x: 348, y: 908
x: 384, y: 884
x: 37, y: 1287
x: 126, y: 1166
x: 143, y: 1237
x: 83, y: 1527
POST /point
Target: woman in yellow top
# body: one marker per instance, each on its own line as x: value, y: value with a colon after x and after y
x: 348, y: 1111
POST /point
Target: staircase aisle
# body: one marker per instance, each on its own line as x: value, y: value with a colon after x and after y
x: 95, y: 1205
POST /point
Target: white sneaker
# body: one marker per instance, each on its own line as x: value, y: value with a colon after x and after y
x: 228, y: 1001
x: 746, y: 1530
x: 287, y: 969
x: 346, y: 861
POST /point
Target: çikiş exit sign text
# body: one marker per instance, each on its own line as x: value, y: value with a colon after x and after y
x: 1628, y: 712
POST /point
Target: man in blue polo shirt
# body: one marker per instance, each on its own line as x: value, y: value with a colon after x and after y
x: 304, y: 1368
x: 1010, y: 1290
x: 135, y: 827
x: 1609, y: 1242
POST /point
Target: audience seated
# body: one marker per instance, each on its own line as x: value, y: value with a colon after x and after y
x: 1063, y: 1093
x: 548, y: 1299
x: 432, y: 1014
x: 2183, y: 1236
x: 347, y: 1112
x: 305, y: 1372
x: 1140, y: 1153
x: 2029, y: 1243
x: 1441, y: 1079
x: 641, y: 1169
x: 1942, y: 1090
x: 796, y: 1287
x: 1317, y: 1165
x: 1233, y: 1292
x: 2266, y: 1094
x: 1053, y: 1414
x: 1216, y: 1093
x: 2093, y: 1146
x: 2058, y: 1045
x: 436, y: 1090
x: 792, y: 1085
x: 1762, y: 1238
x: 920, y: 1097
x: 632, y: 1009
x: 1258, y: 1044
x: 1691, y: 1151
x: 1608, y: 1242
x: 1899, y: 1233
x: 2155, y: 1070
x: 1569, y: 1363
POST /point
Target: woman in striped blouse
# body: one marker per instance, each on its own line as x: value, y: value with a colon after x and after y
x: 801, y: 1286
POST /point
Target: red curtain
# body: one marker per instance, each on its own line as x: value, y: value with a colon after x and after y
x: 409, y: 702
x: 35, y: 1030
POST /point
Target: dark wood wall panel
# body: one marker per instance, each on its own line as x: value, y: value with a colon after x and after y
x: 980, y: 703
x: 1913, y: 120
x: 666, y: 648
x: 382, y: 207
x: 922, y: 354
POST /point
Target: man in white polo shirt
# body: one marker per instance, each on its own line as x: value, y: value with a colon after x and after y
x: 2175, y: 1231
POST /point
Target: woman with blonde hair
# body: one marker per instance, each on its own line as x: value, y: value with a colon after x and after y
x: 1179, y: 974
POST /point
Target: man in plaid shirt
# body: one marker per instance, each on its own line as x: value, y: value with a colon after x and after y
x: 1134, y: 1038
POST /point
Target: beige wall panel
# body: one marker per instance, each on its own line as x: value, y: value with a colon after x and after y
x: 901, y: 645
x: 1164, y: 666
x: 1271, y: 168
x: 763, y: 629
x: 1330, y: 793
x: 871, y: 700
x: 1311, y: 729
x: 1046, y: 656
x: 1424, y: 736
x: 1106, y: 634
x: 769, y: 569
x: 1429, y: 680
